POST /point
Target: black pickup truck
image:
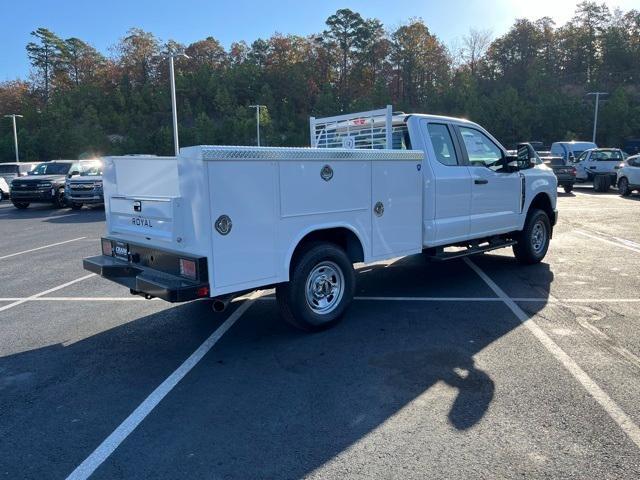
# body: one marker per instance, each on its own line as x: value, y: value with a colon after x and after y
x: 43, y: 184
x: 566, y: 174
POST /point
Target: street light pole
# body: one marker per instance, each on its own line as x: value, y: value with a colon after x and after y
x: 595, y: 118
x: 174, y: 110
x: 258, y: 107
x: 15, y: 133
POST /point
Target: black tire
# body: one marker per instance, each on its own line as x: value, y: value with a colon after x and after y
x: 59, y: 201
x: 601, y: 183
x: 623, y: 187
x: 76, y: 206
x: 319, y: 260
x: 20, y: 205
x: 528, y: 250
x: 568, y: 188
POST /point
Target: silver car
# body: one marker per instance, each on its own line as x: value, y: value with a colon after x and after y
x: 629, y: 176
x: 84, y: 186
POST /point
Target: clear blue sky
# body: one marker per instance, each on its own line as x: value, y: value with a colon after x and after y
x: 102, y: 23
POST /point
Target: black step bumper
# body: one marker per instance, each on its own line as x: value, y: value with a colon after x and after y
x: 146, y: 281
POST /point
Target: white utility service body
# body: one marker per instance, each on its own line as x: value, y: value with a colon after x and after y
x: 273, y: 197
x: 246, y: 211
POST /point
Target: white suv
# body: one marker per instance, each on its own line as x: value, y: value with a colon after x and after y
x: 629, y: 176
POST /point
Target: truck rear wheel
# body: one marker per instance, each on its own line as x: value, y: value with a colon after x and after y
x: 321, y: 287
x: 533, y: 241
x: 568, y: 188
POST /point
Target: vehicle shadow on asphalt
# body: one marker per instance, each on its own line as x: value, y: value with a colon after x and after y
x: 269, y: 401
x: 86, y: 215
x: 53, y: 215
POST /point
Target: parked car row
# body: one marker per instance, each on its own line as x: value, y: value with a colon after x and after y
x: 582, y: 162
x: 62, y: 183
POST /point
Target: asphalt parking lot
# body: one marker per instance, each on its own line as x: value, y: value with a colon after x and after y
x: 462, y: 369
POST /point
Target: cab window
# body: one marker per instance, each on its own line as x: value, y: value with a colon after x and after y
x: 582, y: 157
x: 480, y: 149
x: 442, y: 144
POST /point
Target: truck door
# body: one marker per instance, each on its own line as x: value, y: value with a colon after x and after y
x: 581, y: 166
x: 495, y: 195
x: 452, y: 183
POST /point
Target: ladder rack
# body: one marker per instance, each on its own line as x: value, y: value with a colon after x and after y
x: 372, y: 129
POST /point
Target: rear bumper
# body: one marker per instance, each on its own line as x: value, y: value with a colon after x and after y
x: 146, y: 281
x: 566, y: 179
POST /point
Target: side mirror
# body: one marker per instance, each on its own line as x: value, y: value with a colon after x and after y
x: 75, y: 172
x: 526, y: 156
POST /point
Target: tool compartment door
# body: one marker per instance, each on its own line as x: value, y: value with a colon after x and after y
x: 246, y: 192
x: 396, y: 208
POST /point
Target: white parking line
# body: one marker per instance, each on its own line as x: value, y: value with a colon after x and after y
x: 38, y: 295
x: 618, y: 242
x: 41, y: 248
x: 550, y: 299
x: 132, y: 298
x: 108, y: 446
x: 599, y: 395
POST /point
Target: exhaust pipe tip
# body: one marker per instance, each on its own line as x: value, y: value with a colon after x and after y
x: 219, y: 306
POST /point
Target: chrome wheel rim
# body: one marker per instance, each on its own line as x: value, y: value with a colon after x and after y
x: 538, y: 236
x: 324, y: 288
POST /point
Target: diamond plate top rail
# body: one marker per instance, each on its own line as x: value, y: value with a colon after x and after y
x: 220, y: 153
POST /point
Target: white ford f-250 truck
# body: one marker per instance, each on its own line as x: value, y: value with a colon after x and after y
x: 216, y: 221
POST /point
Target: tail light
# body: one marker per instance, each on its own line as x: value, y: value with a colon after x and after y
x: 202, y: 292
x: 107, y: 248
x: 188, y: 268
x: 573, y: 171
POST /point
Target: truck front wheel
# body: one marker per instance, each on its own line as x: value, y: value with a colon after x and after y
x: 533, y: 241
x: 321, y: 287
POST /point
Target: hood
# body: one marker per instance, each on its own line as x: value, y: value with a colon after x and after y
x: 86, y: 179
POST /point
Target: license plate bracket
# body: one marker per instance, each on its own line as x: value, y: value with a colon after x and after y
x: 121, y: 251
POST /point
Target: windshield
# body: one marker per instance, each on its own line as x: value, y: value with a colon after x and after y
x: 51, y: 169
x: 8, y: 169
x: 91, y: 169
x: 608, y: 155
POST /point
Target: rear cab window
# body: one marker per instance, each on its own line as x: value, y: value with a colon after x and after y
x: 442, y: 143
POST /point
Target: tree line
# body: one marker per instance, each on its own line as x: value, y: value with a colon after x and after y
x: 528, y: 84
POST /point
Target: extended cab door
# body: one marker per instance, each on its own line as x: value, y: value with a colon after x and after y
x: 496, y: 195
x: 581, y: 165
x: 452, y: 184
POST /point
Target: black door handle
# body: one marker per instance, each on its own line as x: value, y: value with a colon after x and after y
x: 481, y: 181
